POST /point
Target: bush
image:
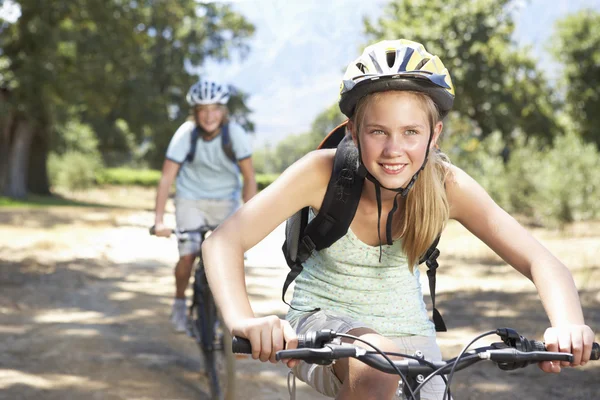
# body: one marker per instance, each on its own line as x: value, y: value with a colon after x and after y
x: 73, y: 170
x: 563, y: 181
x: 128, y: 176
x: 264, y: 180
x: 150, y: 177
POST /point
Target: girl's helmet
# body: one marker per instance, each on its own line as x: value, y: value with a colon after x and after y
x: 208, y: 91
x: 396, y: 65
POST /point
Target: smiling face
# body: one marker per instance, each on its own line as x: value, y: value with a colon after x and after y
x: 210, y: 117
x: 394, y: 128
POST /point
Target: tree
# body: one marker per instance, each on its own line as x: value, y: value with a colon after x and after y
x: 118, y: 66
x: 292, y: 148
x: 496, y: 85
x: 576, y: 44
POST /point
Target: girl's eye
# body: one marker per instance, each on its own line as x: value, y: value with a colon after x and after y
x: 411, y: 132
x: 378, y: 132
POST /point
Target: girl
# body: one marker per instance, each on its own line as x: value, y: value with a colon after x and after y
x: 395, y: 96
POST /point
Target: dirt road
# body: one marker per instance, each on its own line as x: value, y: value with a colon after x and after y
x: 85, y: 296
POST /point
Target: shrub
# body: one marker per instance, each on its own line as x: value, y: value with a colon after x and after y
x: 128, y: 176
x: 73, y: 170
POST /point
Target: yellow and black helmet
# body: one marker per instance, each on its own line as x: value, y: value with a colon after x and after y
x: 396, y: 65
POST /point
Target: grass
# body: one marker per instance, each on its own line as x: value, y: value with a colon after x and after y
x: 150, y: 177
x: 45, y: 201
x: 128, y: 177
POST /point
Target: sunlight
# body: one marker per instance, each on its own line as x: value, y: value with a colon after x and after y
x: 10, y: 377
x: 14, y: 330
x: 66, y: 316
x: 81, y: 332
x: 122, y: 296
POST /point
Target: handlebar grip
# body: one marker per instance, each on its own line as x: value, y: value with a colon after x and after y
x: 595, y: 351
x: 539, y: 346
x: 240, y: 345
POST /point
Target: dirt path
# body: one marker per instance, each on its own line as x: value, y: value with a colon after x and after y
x: 85, y: 295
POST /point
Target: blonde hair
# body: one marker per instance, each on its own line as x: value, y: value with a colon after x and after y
x: 426, y: 209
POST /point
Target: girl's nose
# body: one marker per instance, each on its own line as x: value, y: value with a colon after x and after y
x: 394, y: 146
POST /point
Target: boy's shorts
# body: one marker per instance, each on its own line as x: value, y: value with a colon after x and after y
x: 192, y: 214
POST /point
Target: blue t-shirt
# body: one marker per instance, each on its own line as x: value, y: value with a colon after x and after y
x: 211, y: 175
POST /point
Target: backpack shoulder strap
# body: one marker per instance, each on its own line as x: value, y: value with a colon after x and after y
x: 335, y: 215
x: 193, y: 142
x: 430, y: 259
x: 339, y: 204
x: 227, y: 144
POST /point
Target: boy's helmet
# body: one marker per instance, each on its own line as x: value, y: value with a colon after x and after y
x: 208, y: 91
x: 396, y: 65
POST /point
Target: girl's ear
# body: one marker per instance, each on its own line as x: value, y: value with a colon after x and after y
x: 351, y: 126
x: 437, y: 131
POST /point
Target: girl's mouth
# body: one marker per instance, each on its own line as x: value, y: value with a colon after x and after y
x: 393, y: 169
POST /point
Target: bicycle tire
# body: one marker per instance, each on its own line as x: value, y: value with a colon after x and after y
x: 214, y: 341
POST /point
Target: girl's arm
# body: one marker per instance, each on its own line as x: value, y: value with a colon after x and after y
x: 302, y: 184
x: 475, y: 209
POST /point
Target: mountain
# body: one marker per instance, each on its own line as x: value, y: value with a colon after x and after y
x: 301, y: 48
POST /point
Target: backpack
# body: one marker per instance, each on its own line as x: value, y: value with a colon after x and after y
x: 225, y: 144
x: 336, y: 214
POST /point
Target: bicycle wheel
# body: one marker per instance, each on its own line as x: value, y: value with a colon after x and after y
x: 214, y: 341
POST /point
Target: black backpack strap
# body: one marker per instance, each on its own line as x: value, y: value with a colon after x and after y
x: 193, y: 141
x: 339, y: 204
x: 335, y: 215
x: 430, y: 259
x: 295, y: 265
x: 227, y: 144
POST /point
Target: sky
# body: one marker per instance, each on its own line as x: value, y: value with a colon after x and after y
x: 301, y: 48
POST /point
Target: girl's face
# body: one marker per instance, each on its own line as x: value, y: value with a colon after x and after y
x: 209, y: 117
x: 394, y: 133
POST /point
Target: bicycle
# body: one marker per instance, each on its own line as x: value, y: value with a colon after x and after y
x: 206, y: 326
x: 325, y: 346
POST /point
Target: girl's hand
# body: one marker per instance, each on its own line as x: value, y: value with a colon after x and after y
x: 575, y: 339
x: 267, y: 336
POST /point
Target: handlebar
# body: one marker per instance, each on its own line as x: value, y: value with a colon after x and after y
x: 189, y: 234
x: 515, y: 351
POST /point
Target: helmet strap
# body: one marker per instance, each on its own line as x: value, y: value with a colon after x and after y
x: 402, y: 191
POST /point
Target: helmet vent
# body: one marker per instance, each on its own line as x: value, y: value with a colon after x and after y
x: 362, y: 67
x: 421, y: 63
x: 391, y: 58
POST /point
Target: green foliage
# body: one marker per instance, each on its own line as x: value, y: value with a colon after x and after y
x: 128, y: 176
x: 151, y: 177
x: 103, y: 62
x: 264, y: 180
x: 562, y: 183
x: 76, y: 159
x: 294, y: 147
x: 45, y: 201
x: 548, y: 184
x: 497, y: 86
x: 576, y: 44
x: 73, y: 170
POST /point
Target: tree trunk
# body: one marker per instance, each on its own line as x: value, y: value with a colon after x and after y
x: 18, y: 159
x: 37, y: 175
x: 6, y: 120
